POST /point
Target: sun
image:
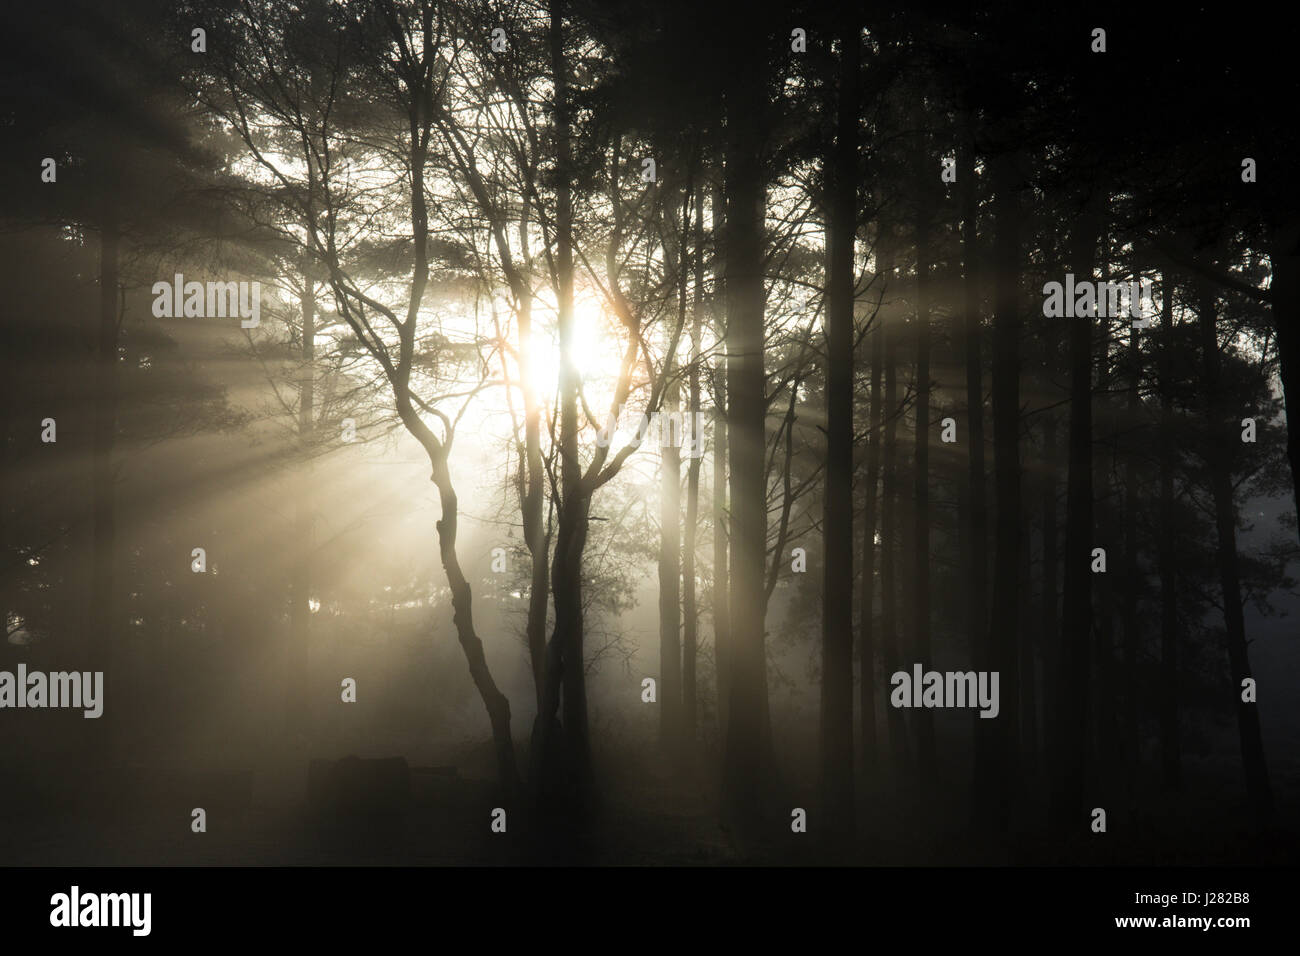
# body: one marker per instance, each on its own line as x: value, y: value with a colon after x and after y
x: 590, y: 344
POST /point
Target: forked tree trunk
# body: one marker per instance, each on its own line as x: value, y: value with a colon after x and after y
x: 565, y: 759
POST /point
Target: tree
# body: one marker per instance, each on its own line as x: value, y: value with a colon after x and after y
x: 1006, y: 435
x: 837, y: 529
x: 1225, y: 520
x: 744, y: 775
x: 1076, y: 609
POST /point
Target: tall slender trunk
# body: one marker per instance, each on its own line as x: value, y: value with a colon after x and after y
x: 1028, y: 664
x: 1284, y: 255
x: 576, y: 498
x: 1004, y: 619
x: 721, y: 577
x: 1049, y: 628
x: 745, y: 773
x: 1076, y: 602
x: 1220, y: 449
x: 690, y: 631
x: 1105, y: 728
x: 1129, y: 609
x: 867, y: 652
x: 975, y: 505
x: 1171, y: 758
x: 890, y: 654
x: 927, y: 762
x: 103, y: 590
x: 670, y: 538
x: 566, y: 779
x: 11, y: 346
x: 533, y: 505
x: 837, y: 526
x: 299, y: 697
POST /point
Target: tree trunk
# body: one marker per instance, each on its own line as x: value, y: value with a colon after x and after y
x: 670, y: 551
x: 10, y: 562
x: 1106, y: 743
x: 891, y: 657
x: 299, y: 697
x: 1284, y: 254
x: 837, y: 526
x: 566, y: 776
x: 533, y: 504
x: 920, y: 593
x: 977, y: 601
x: 721, y: 577
x: 1220, y: 450
x: 690, y: 632
x: 498, y: 707
x: 744, y: 774
x: 575, y: 498
x: 1076, y: 604
x: 103, y: 597
x: 1129, y: 610
x: 867, y: 659
x: 1049, y: 629
x: 670, y: 538
x: 1171, y: 758
x: 1028, y: 664
x: 398, y: 374
x: 1004, y: 620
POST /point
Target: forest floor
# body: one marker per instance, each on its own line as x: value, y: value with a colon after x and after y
x: 648, y: 816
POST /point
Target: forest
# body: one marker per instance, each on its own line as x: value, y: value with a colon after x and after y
x: 532, y: 431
